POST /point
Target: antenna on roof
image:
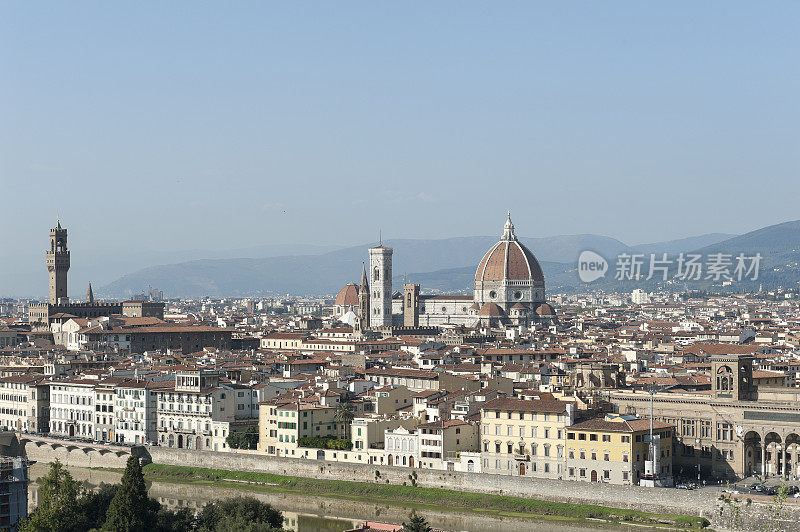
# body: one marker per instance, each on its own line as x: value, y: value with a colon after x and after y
x: 380, y: 237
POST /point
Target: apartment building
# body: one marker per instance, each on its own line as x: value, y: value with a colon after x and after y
x: 13, y: 491
x: 442, y: 441
x: 24, y: 403
x: 104, y: 411
x: 187, y: 409
x: 414, y: 379
x: 615, y: 449
x: 387, y: 400
x: 72, y: 408
x: 135, y: 407
x: 525, y: 437
x: 369, y: 435
x: 283, y: 423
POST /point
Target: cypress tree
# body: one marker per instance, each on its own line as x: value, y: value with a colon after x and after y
x: 129, y: 510
x: 416, y: 523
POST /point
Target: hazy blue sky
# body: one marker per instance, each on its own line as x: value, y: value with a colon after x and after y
x: 230, y: 124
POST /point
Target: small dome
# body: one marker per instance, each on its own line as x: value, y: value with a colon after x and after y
x: 347, y: 296
x: 545, y: 310
x: 519, y: 306
x: 491, y: 310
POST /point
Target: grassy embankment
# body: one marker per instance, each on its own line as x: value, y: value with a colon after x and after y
x: 407, y: 495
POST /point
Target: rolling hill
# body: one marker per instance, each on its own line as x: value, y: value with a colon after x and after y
x: 445, y: 265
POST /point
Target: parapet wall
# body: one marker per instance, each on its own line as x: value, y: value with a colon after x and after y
x: 633, y: 497
x: 705, y: 503
x: 76, y: 454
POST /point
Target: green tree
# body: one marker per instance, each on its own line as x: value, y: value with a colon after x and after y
x: 416, y: 523
x: 243, y: 440
x: 130, y: 509
x: 57, y: 508
x: 233, y: 440
x: 178, y: 521
x: 344, y: 415
x: 239, y: 513
x: 93, y: 506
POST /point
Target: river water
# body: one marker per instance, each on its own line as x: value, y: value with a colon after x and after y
x: 316, y: 514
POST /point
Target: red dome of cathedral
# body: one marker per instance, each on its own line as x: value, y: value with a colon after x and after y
x: 347, y: 296
x: 510, y: 260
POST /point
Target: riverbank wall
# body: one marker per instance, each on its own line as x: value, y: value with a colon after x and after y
x: 77, y: 454
x: 739, y: 514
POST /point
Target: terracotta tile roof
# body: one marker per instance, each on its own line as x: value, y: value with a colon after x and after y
x: 521, y: 405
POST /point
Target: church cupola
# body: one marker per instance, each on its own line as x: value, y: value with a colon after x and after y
x: 508, y: 229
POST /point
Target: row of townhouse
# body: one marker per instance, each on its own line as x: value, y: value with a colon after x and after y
x: 375, y: 439
x: 537, y: 437
x: 541, y: 438
x: 195, y: 411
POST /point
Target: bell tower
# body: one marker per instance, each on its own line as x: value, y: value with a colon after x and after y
x: 380, y: 271
x: 411, y: 305
x: 732, y: 376
x: 58, y: 264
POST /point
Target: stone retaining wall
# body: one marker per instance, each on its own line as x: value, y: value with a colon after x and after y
x: 44, y: 449
x: 633, y: 497
x: 705, y: 503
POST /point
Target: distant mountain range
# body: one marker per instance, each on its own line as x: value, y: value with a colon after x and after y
x: 443, y: 265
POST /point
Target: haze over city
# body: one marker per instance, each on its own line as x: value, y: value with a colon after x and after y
x: 213, y: 127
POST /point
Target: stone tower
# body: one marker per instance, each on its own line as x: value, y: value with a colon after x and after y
x: 411, y: 305
x: 732, y: 376
x: 89, y: 294
x: 380, y: 271
x: 58, y: 264
x: 363, y: 302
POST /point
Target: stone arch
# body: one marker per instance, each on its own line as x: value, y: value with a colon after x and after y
x: 792, y: 455
x: 773, y: 446
x: 753, y: 453
x: 724, y: 378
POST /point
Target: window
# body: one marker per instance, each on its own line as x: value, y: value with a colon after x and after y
x: 592, y: 437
